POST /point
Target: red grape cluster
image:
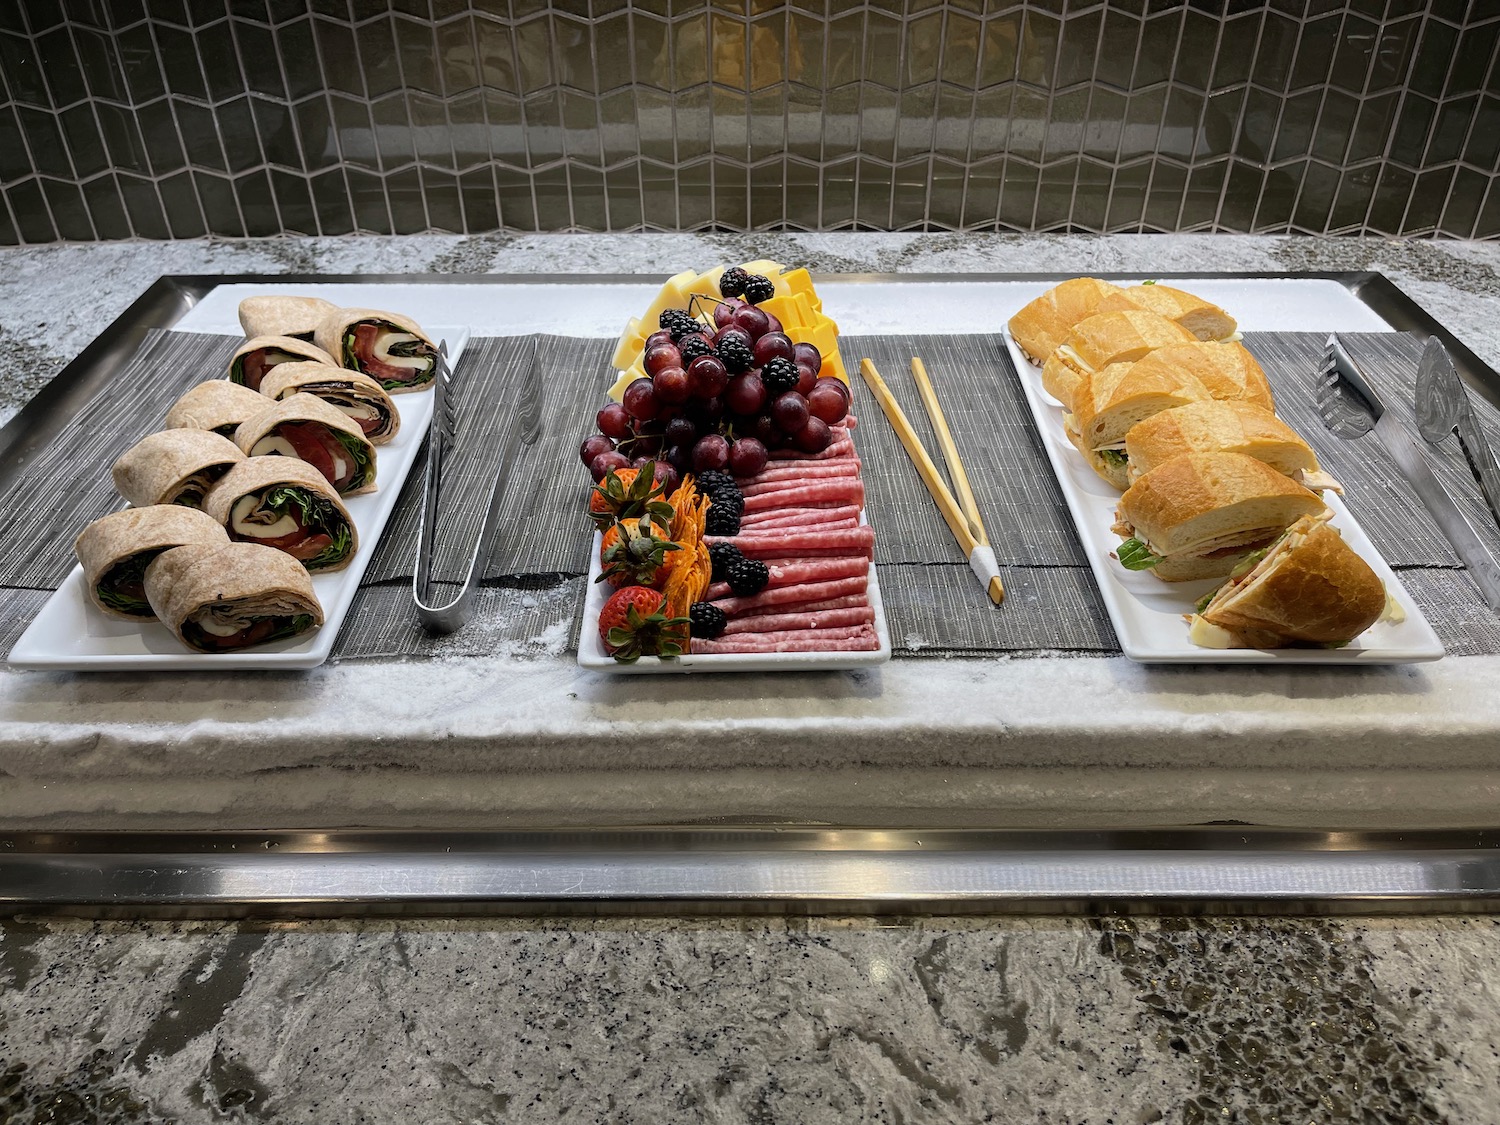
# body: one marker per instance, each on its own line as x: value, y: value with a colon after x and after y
x: 704, y: 404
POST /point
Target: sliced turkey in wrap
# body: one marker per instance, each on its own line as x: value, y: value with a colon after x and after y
x: 235, y: 596
x: 174, y: 467
x: 358, y: 396
x: 285, y: 503
x: 216, y: 405
x: 116, y: 549
x: 324, y: 436
x: 260, y: 355
x: 390, y: 348
x: 283, y: 316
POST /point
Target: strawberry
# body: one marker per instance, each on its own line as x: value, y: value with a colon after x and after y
x: 632, y: 625
x: 632, y: 554
x: 625, y: 493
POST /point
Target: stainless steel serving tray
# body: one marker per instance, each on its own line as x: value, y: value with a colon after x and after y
x: 1177, y: 868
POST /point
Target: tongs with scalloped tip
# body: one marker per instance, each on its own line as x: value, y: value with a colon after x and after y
x: 525, y: 425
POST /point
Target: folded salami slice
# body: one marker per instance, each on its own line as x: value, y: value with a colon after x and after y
x: 116, y: 549
x: 390, y: 348
x: 231, y: 597
x: 285, y: 503
x: 322, y: 435
x: 857, y: 638
x: 174, y: 467
x: 360, y: 397
x: 283, y: 316
x: 260, y: 355
x: 774, y: 543
x: 216, y: 405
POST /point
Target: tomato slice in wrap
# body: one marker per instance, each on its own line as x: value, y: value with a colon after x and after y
x: 392, y: 357
x: 316, y: 444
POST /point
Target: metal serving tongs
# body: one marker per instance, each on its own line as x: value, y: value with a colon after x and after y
x: 526, y: 424
x: 1351, y: 408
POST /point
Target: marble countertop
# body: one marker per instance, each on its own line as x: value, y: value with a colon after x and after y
x: 748, y: 1020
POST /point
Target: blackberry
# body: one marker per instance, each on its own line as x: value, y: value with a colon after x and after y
x: 692, y: 347
x: 779, y: 375
x: 711, y: 480
x: 732, y: 281
x: 731, y: 502
x: 759, y: 288
x: 747, y: 577
x: 679, y: 322
x: 722, y: 555
x: 706, y: 620
x: 722, y: 521
x: 736, y: 355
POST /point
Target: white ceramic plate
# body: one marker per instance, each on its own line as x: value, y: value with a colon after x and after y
x: 591, y: 652
x: 70, y: 634
x: 1148, y: 614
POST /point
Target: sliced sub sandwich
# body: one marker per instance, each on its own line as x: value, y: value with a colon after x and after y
x: 1198, y: 514
x: 1224, y: 427
x: 1046, y: 322
x: 1095, y: 343
x: 1108, y: 403
x: 1205, y: 320
x: 1229, y: 371
x: 1308, y: 588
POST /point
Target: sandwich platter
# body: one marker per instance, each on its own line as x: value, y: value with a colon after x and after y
x: 1149, y: 615
x: 70, y: 634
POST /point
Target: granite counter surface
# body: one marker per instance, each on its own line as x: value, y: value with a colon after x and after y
x: 747, y: 1020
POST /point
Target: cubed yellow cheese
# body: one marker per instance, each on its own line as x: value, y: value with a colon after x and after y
x: 624, y: 379
x: 765, y: 267
x: 629, y: 349
x: 673, y: 295
x: 792, y: 310
x: 798, y: 281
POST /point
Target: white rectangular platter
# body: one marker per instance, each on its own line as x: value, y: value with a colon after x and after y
x: 591, y: 654
x: 1147, y: 613
x: 70, y: 634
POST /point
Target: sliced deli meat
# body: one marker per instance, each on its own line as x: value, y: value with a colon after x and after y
x: 116, y: 549
x: 306, y: 427
x: 361, y: 398
x: 174, y: 467
x: 231, y: 597
x: 257, y: 357
x: 390, y: 348
x: 285, y: 503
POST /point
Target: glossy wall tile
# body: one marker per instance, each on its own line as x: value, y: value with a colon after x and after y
x: 179, y: 118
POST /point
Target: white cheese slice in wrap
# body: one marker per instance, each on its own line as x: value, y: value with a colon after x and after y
x: 251, y: 480
x: 217, y: 405
x: 398, y: 374
x: 283, y: 316
x: 357, y: 395
x: 176, y: 466
x: 258, y: 436
x: 117, y: 538
x: 202, y: 593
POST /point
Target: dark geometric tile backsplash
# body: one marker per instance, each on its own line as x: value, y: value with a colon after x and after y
x: 179, y: 118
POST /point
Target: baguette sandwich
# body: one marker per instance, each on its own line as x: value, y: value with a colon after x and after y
x: 1308, y: 588
x: 1223, y: 427
x: 1229, y: 371
x: 1198, y: 514
x: 1097, y: 342
x: 1206, y: 321
x: 1110, y: 402
x: 1046, y: 322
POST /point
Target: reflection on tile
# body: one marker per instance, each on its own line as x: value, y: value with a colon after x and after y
x: 175, y: 118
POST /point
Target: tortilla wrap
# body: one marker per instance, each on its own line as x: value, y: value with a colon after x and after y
x: 283, y: 316
x: 340, y: 388
x: 174, y: 467
x: 233, y: 584
x: 309, y: 408
x: 300, y: 350
x: 330, y: 336
x: 256, y: 475
x: 120, y: 536
x: 217, y: 405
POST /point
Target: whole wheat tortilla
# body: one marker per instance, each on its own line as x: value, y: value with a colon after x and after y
x: 215, y: 403
x: 112, y: 539
x: 256, y: 474
x: 287, y: 379
x: 255, y: 579
x: 289, y: 344
x: 283, y: 316
x: 331, y: 329
x: 154, y: 469
x: 302, y: 408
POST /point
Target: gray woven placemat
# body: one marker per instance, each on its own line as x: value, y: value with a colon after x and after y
x: 533, y: 588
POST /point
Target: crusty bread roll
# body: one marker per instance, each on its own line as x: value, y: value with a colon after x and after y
x: 1311, y: 588
x: 1222, y: 427
x: 1113, y: 399
x: 1098, y: 341
x: 262, y: 354
x: 1229, y: 371
x: 1199, y: 513
x: 1046, y: 322
x: 1206, y: 321
x: 283, y: 316
x: 174, y: 467
x: 115, y: 550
